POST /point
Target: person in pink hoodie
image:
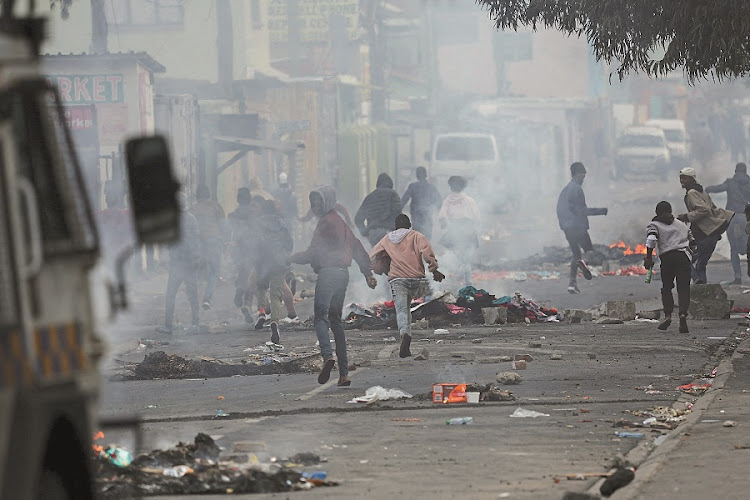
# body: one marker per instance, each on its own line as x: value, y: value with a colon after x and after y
x: 401, y: 254
x: 459, y: 219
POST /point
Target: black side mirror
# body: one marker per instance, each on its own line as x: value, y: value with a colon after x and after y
x: 153, y: 190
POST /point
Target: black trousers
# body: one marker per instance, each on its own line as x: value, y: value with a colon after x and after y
x: 675, y: 266
x: 578, y: 240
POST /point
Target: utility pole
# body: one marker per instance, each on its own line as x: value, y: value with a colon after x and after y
x: 377, y: 63
x: 99, y: 28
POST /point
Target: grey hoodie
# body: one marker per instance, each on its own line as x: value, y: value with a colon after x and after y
x: 738, y: 191
x: 670, y: 234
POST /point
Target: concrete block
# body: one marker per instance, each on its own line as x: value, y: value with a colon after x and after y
x: 509, y: 378
x: 655, y: 314
x: 519, y: 364
x: 495, y: 315
x: 707, y: 292
x: 535, y: 345
x: 555, y: 356
x: 525, y: 357
x: 619, y: 309
x: 708, y: 308
x: 576, y: 316
x: 604, y: 320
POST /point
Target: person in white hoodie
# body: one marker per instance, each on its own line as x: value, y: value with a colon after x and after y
x: 459, y: 219
x: 676, y: 245
x: 400, y: 254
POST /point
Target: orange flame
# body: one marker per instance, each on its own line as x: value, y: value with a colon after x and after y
x: 98, y: 448
x: 640, y: 249
x: 627, y: 251
x: 620, y: 244
x: 98, y: 435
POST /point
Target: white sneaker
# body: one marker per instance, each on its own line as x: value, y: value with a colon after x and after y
x: 289, y: 321
x: 573, y: 289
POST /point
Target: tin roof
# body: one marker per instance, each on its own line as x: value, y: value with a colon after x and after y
x: 142, y: 57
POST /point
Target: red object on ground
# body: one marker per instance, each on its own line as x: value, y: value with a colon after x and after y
x: 627, y: 271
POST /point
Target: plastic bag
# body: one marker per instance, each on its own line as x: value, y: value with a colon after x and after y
x: 521, y: 413
x: 378, y: 393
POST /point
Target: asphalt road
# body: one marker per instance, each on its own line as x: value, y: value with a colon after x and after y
x: 372, y: 452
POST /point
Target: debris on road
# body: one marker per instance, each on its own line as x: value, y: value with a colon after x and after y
x: 694, y: 389
x: 221, y: 414
x: 489, y: 392
x: 378, y: 393
x: 195, y: 468
x: 509, y: 378
x: 460, y: 421
x: 449, y: 393
x: 555, y: 356
x: 634, y: 435
x: 522, y: 413
x: 729, y: 423
x: 619, y: 478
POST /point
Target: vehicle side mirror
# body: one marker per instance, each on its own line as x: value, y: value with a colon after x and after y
x: 427, y: 156
x: 153, y: 190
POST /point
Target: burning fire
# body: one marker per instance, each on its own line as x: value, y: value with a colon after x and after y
x: 639, y: 249
x: 98, y: 448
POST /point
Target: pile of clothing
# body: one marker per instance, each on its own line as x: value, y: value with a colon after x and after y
x: 519, y: 308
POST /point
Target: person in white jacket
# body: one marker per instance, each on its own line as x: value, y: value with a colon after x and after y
x: 459, y: 218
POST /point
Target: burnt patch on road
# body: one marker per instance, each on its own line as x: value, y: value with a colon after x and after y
x: 160, y: 365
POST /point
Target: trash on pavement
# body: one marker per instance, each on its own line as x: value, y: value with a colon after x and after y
x: 221, y: 414
x: 694, y: 389
x: 177, y: 471
x: 440, y: 331
x: 523, y: 413
x: 117, y: 456
x: 402, y: 419
x: 460, y: 421
x: 729, y: 423
x: 378, y: 393
x: 472, y: 397
x: 624, y: 434
x: 449, y: 393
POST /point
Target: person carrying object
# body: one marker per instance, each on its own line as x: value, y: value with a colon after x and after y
x: 707, y: 222
x: 737, y: 188
x: 330, y: 254
x: 378, y: 211
x: 573, y: 217
x: 401, y: 253
x: 675, y: 243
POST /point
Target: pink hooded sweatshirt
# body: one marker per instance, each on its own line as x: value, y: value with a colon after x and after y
x: 406, y: 248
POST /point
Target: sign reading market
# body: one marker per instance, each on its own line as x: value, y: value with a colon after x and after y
x: 88, y: 89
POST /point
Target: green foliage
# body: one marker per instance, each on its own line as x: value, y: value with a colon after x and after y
x: 705, y: 37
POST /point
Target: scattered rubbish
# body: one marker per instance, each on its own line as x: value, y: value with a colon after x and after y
x: 729, y: 423
x: 363, y: 461
x: 220, y: 397
x: 619, y: 478
x: 709, y: 421
x: 389, y: 339
x: 460, y: 421
x: 555, y: 356
x: 535, y: 345
x: 440, y: 331
x: 221, y: 414
x: 117, y: 456
x: 582, y: 476
x: 490, y: 392
x: 646, y: 320
x: 476, y: 341
x: 472, y: 397
x: 320, y: 475
x: 449, y: 393
x: 177, y: 471
x: 742, y: 447
x: 422, y: 355
x: 401, y: 419
x: 694, y: 389
x: 439, y: 341
x: 273, y: 347
x: 624, y: 434
x: 378, y: 393
x: 522, y: 413
x: 509, y: 378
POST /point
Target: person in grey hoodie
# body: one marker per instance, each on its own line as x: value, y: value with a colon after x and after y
x: 376, y: 216
x: 737, y: 188
x: 573, y: 216
x: 707, y: 222
x: 676, y: 244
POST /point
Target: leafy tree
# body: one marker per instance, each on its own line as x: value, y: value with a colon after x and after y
x: 705, y: 37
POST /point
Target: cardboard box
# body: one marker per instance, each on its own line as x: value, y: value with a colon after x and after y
x: 449, y: 393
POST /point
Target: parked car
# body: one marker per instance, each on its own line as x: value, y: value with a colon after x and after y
x: 644, y: 151
x: 677, y: 140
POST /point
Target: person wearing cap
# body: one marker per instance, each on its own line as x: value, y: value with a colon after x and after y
x: 331, y: 250
x: 675, y: 243
x: 403, y: 252
x: 737, y: 188
x: 425, y: 202
x: 707, y: 222
x: 573, y: 217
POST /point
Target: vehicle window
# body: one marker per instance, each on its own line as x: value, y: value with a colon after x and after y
x: 465, y: 149
x: 47, y: 160
x: 643, y: 141
x: 674, y: 135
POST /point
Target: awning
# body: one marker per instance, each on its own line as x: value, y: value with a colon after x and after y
x: 231, y: 143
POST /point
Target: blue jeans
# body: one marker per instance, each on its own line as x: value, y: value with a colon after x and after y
x: 330, y: 290
x: 404, y: 290
x: 706, y: 247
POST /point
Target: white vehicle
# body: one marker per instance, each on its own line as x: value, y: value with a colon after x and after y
x: 464, y: 154
x: 642, y: 151
x: 677, y: 139
x: 50, y: 344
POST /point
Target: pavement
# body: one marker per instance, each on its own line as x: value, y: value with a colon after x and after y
x: 393, y: 449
